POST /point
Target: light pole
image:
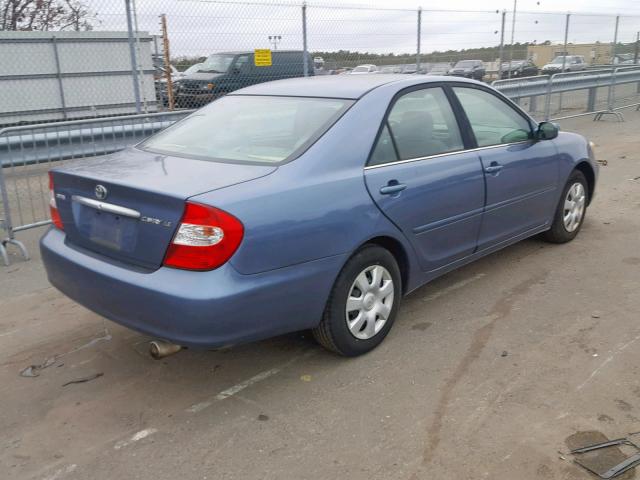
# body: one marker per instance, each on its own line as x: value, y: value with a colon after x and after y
x: 275, y: 39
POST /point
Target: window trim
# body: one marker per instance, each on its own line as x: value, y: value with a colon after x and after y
x: 385, y: 121
x: 438, y: 155
x: 467, y: 135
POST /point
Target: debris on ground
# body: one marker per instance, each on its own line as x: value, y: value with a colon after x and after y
x: 602, y: 456
x: 84, y: 379
x: 504, y: 353
x: 263, y: 418
x: 34, y: 370
x: 604, y: 163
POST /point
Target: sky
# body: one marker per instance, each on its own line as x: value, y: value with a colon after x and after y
x: 201, y: 27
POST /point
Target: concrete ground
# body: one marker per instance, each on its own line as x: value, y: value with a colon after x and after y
x: 489, y: 372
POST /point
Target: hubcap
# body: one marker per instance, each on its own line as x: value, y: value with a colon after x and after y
x: 369, y: 302
x: 574, y: 207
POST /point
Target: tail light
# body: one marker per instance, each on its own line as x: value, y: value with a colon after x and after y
x: 53, y: 207
x: 206, y: 238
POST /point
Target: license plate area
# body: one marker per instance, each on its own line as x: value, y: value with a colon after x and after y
x: 109, y: 230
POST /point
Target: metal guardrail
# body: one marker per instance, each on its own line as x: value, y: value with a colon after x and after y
x: 559, y: 83
x: 27, y: 151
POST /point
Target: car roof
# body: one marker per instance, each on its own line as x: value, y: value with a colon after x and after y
x: 338, y: 86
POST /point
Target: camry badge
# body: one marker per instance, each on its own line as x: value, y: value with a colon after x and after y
x: 100, y: 192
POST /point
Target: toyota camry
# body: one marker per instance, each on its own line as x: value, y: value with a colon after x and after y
x: 310, y: 203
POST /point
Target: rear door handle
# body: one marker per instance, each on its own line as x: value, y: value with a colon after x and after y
x: 392, y: 187
x: 493, y: 168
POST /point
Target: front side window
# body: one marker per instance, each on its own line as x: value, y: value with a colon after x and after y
x: 249, y: 129
x: 217, y: 63
x: 242, y: 64
x: 492, y: 120
x: 422, y: 123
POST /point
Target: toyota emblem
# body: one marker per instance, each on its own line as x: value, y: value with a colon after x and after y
x: 101, y: 192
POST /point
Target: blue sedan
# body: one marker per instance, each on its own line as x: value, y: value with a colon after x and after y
x: 311, y: 203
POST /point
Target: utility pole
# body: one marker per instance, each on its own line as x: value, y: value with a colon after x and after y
x: 637, y: 49
x: 615, y: 40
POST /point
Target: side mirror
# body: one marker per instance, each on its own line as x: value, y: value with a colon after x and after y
x: 547, y: 131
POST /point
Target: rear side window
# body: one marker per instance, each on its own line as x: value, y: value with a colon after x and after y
x: 492, y: 120
x: 249, y: 129
x: 421, y: 123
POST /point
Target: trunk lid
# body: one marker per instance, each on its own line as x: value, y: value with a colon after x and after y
x: 128, y: 205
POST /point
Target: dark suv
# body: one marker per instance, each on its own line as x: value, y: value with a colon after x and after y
x: 520, y: 68
x: 468, y: 69
x: 222, y: 73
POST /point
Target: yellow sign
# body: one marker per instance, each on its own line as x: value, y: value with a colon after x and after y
x: 262, y: 57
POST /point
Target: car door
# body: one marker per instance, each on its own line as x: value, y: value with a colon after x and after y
x: 521, y: 173
x: 424, y: 181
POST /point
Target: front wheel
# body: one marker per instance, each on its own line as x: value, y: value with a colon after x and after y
x: 570, y: 211
x: 363, y: 303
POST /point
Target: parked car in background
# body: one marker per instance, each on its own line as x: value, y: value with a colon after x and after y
x: 519, y: 68
x: 222, y: 73
x: 362, y: 69
x: 410, y: 68
x: 439, y: 69
x: 192, y: 69
x: 565, y: 63
x: 468, y: 69
x: 309, y: 204
x: 391, y: 69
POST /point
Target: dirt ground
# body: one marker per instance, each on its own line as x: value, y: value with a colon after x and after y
x: 489, y: 372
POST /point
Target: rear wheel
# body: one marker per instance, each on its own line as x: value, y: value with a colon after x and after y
x: 570, y: 211
x: 363, y: 303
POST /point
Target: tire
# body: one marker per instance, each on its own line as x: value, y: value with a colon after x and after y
x: 562, y: 231
x: 368, y: 325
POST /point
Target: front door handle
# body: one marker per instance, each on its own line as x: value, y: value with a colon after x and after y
x: 392, y: 187
x: 495, y: 167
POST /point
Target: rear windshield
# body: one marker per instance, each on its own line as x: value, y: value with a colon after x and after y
x: 249, y: 129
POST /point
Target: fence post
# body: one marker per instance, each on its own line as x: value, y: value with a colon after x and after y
x: 564, y: 53
x: 504, y: 15
x: 56, y: 56
x: 419, y: 39
x: 6, y: 222
x: 513, y: 33
x: 305, y: 52
x: 591, y: 100
x: 132, y: 53
x: 547, y: 100
x: 615, y: 40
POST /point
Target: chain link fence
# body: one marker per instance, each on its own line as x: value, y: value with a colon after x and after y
x: 86, y: 77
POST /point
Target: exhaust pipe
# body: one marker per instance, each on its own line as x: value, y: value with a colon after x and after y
x: 159, y: 349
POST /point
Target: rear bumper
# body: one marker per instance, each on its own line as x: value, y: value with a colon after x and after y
x: 193, y: 309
